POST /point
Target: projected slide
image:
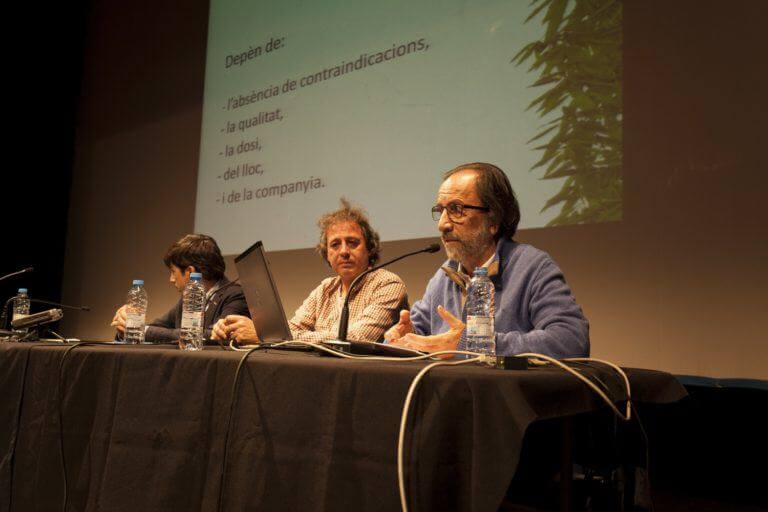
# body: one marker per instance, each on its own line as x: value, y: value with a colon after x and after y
x: 306, y: 102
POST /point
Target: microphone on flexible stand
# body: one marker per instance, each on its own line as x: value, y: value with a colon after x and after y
x: 65, y: 306
x: 18, y: 272
x: 4, y: 314
x: 37, y: 319
x: 344, y: 319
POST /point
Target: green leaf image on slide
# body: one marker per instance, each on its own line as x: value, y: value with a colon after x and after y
x: 579, y: 68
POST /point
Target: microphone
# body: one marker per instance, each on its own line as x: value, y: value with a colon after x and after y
x: 65, y: 306
x: 12, y: 274
x: 344, y: 319
x: 42, y: 318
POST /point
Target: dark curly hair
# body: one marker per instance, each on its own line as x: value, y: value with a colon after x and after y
x: 199, y: 251
x: 349, y: 213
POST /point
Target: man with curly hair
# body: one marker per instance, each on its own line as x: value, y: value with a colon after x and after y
x: 350, y: 246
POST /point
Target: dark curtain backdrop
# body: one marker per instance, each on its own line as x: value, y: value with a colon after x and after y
x: 42, y: 76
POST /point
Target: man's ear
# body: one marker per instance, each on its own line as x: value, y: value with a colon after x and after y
x: 188, y: 271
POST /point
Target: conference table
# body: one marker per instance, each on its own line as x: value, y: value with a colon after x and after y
x: 142, y: 427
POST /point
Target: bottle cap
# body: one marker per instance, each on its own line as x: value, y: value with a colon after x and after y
x: 196, y: 276
x: 139, y: 282
x: 22, y: 290
x: 481, y: 271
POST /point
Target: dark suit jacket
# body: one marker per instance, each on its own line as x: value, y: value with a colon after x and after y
x: 227, y: 300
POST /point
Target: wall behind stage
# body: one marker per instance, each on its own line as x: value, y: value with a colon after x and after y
x: 678, y: 285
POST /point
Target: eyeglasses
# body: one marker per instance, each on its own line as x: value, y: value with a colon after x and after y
x: 456, y: 211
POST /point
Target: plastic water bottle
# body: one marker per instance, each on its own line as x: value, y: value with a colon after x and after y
x: 136, y: 313
x: 192, y: 313
x: 21, y: 305
x: 480, y: 334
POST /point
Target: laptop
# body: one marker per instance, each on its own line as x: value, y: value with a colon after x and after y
x: 261, y: 295
x: 268, y: 315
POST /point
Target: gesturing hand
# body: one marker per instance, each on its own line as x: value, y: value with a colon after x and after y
x: 437, y: 342
x: 401, y: 328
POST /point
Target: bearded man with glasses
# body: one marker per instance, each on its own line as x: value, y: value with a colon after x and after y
x: 534, y: 311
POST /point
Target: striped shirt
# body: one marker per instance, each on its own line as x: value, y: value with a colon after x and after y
x: 373, y: 308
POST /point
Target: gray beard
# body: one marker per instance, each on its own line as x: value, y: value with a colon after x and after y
x: 468, y: 251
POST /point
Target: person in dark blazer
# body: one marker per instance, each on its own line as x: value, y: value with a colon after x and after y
x: 193, y: 253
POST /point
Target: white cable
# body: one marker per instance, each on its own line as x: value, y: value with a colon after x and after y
x: 475, y: 358
x: 344, y: 355
x: 592, y: 385
x: 423, y: 357
x: 617, y: 369
x: 409, y: 396
x: 246, y: 348
x: 404, y: 417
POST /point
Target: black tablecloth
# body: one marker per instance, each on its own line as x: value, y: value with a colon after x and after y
x: 144, y: 429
